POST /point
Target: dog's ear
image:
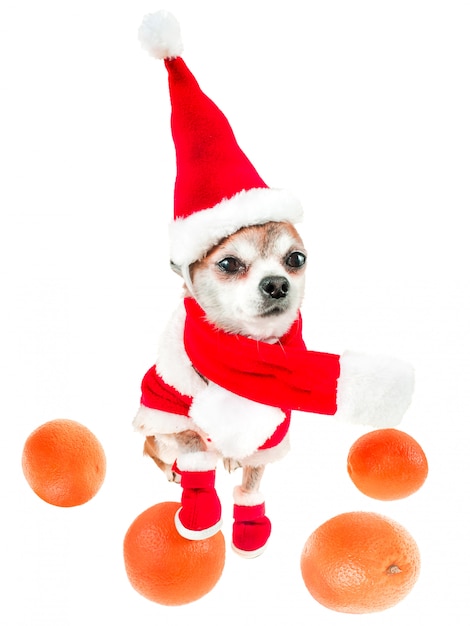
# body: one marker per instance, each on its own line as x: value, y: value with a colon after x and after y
x: 176, y: 269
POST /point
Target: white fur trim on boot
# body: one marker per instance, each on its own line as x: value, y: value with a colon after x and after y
x: 251, y: 526
x: 197, y: 461
x: 244, y: 498
x: 373, y: 390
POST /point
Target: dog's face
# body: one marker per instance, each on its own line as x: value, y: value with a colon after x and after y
x: 252, y: 283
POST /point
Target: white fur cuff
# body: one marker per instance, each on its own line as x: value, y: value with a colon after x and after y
x: 235, y: 425
x: 373, y: 390
x: 150, y: 422
x: 267, y: 455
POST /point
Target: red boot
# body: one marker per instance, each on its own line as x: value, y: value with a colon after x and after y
x: 251, y: 527
x: 200, y: 514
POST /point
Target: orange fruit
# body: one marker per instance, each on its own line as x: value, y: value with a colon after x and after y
x: 387, y: 464
x: 64, y: 463
x: 163, y: 566
x: 360, y: 563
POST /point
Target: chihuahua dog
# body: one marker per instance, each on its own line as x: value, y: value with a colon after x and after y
x: 232, y: 364
x: 250, y: 284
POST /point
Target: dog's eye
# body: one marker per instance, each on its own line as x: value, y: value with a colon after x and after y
x: 296, y: 259
x: 231, y: 265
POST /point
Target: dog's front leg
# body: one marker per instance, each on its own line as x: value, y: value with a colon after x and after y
x: 252, y: 479
x: 164, y: 449
x: 231, y: 464
x: 152, y: 448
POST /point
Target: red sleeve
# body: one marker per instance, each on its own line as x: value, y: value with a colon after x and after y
x: 157, y: 394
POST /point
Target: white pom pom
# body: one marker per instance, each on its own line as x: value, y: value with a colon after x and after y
x: 160, y: 35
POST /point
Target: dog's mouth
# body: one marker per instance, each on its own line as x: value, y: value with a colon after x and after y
x: 274, y: 310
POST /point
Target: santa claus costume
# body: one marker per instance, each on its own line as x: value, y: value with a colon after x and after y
x: 238, y: 394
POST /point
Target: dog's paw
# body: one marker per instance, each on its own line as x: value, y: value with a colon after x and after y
x: 231, y: 464
x: 173, y: 477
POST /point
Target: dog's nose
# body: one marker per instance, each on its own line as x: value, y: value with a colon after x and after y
x: 274, y: 286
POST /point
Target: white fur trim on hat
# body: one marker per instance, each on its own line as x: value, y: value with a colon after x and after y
x: 160, y: 35
x: 192, y: 237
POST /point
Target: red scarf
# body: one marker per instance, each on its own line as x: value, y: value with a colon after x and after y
x: 284, y: 375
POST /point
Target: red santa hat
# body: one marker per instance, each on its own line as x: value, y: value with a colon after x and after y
x: 217, y: 189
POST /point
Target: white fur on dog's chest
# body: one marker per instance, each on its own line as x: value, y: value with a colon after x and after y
x: 173, y: 363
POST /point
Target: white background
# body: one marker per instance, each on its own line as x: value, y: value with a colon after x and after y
x: 361, y: 109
